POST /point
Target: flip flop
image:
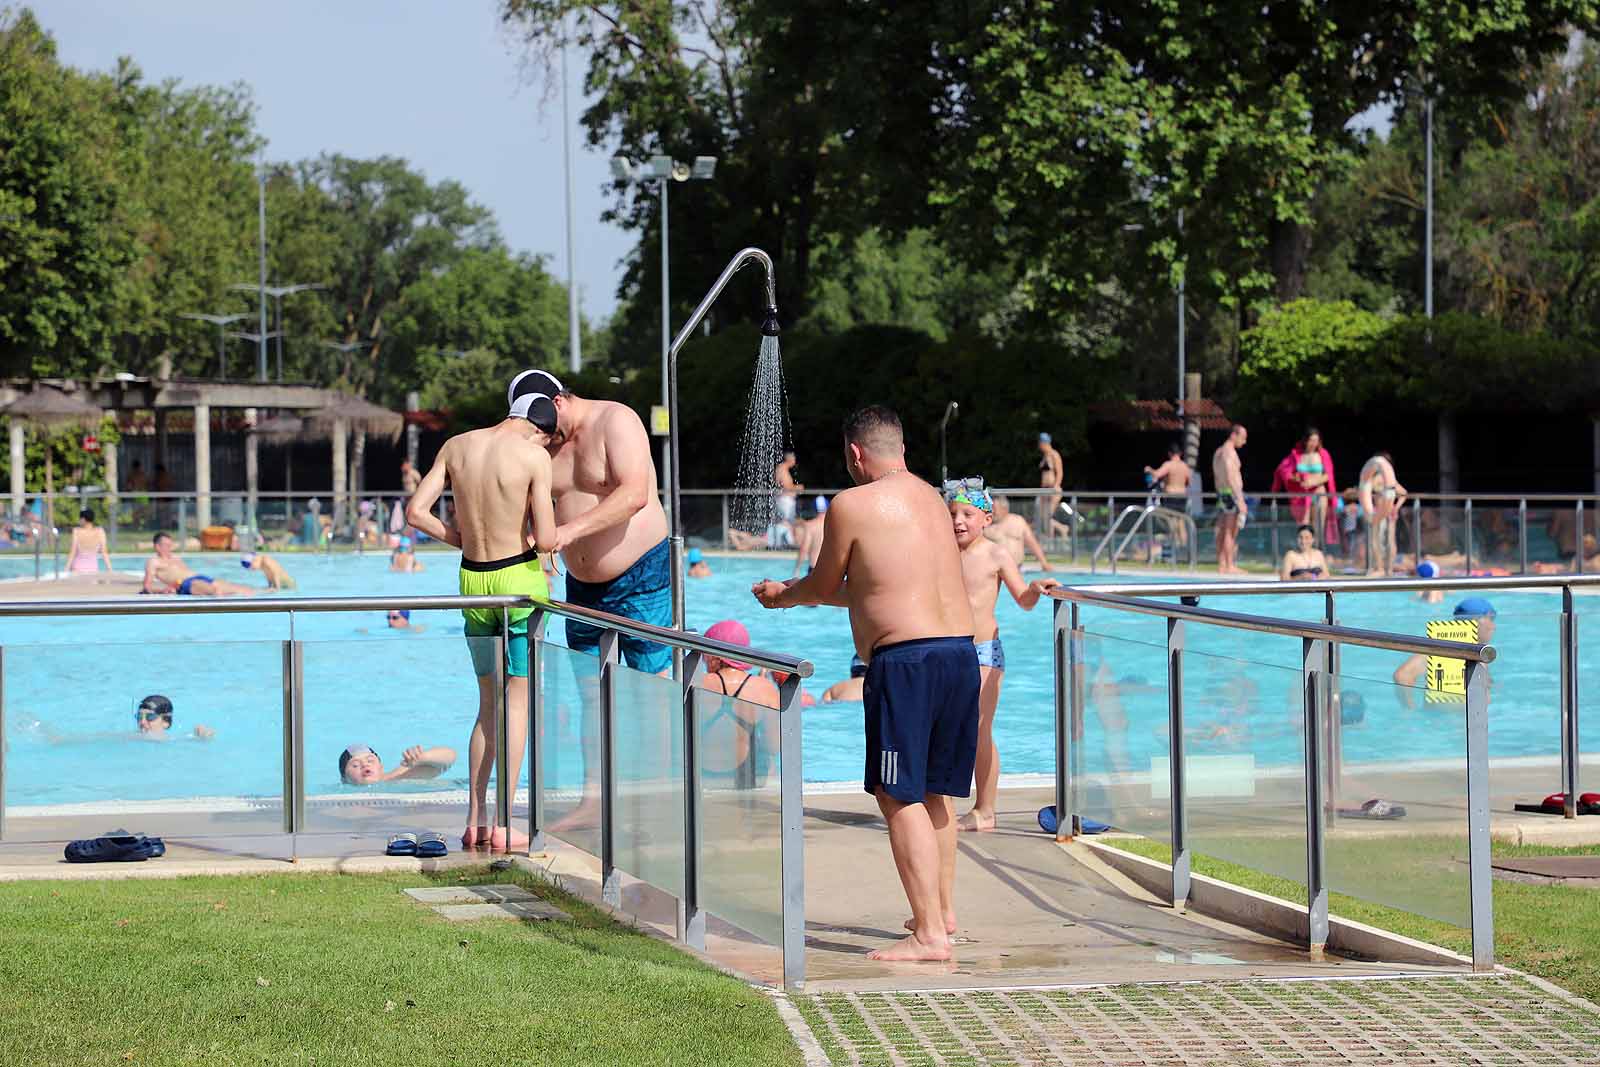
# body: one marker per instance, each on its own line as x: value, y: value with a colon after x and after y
x: 1556, y: 804
x: 1048, y: 822
x: 431, y: 846
x: 1375, y: 808
x: 402, y: 845
x: 123, y: 848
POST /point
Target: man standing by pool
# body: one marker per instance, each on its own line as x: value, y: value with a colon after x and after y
x: 890, y: 556
x: 1232, y: 511
x: 612, y: 535
x: 500, y: 477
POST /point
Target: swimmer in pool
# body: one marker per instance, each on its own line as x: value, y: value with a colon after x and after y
x: 359, y: 765
x: 698, y: 567
x: 271, y: 569
x: 403, y: 560
x: 165, y: 572
x: 849, y: 690
x: 1409, y: 673
x: 1429, y: 569
x: 985, y: 567
x: 1305, y: 561
x: 153, y: 717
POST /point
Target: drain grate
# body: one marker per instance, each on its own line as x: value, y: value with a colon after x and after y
x: 1426, y: 1022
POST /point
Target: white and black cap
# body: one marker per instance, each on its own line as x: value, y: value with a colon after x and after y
x: 531, y: 395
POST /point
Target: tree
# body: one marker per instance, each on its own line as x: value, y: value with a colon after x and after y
x: 65, y: 243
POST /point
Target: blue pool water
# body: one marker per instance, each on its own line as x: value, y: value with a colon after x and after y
x: 71, y: 684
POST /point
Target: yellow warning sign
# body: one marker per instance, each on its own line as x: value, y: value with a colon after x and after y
x: 660, y: 420
x: 1446, y: 677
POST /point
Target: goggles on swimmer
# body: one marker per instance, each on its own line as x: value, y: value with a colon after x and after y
x: 969, y: 491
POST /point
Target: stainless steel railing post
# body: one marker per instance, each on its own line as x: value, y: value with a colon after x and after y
x: 1577, y: 538
x: 792, y: 859
x: 1466, y: 537
x: 1416, y: 536
x: 1276, y: 555
x: 1314, y: 658
x: 536, y: 730
x: 1075, y: 656
x: 503, y: 786
x: 1569, y: 704
x: 294, y: 743
x: 724, y: 498
x: 1063, y: 658
x: 691, y: 917
x: 1180, y: 814
x: 1522, y: 534
x: 610, y: 879
x: 1479, y: 873
x: 1334, y: 756
x: 1072, y: 528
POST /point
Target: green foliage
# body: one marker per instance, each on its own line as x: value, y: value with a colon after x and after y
x: 1308, y: 355
x: 65, y: 240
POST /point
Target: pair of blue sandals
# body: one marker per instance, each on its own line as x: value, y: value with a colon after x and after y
x: 425, y: 846
x: 115, y: 846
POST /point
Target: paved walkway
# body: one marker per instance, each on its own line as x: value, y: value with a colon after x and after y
x: 1425, y: 1022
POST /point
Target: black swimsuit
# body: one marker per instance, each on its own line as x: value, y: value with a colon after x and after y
x: 1301, y: 572
x: 752, y: 770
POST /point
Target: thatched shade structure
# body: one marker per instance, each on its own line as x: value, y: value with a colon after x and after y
x: 48, y: 407
x: 353, y: 413
x: 282, y: 429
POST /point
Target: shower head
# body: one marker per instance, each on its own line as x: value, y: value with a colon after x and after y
x: 769, y: 322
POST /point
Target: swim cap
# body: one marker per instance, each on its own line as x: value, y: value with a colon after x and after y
x: 858, y: 667
x: 734, y: 633
x: 350, y: 753
x: 404, y: 613
x: 969, y: 491
x: 1044, y: 439
x: 1474, y: 607
x: 247, y: 559
x: 822, y: 505
x: 406, y: 542
x: 1427, y: 569
x: 530, y: 396
x: 695, y: 557
x: 158, y: 704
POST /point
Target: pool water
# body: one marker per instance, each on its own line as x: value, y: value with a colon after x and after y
x: 71, y: 684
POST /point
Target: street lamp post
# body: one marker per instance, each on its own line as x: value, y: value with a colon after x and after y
x: 277, y: 292
x: 221, y: 322
x: 662, y: 169
x: 950, y: 411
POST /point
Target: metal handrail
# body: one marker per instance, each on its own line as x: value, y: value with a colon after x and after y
x: 1156, y: 510
x: 1313, y: 631
x: 158, y: 605
x: 1094, y: 560
x: 1554, y: 582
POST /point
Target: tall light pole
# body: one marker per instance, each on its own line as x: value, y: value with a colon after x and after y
x: 221, y: 322
x: 261, y: 244
x: 278, y: 292
x: 574, y: 337
x: 950, y: 411
x: 661, y: 170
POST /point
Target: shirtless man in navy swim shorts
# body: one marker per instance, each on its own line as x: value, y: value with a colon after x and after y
x: 890, y: 556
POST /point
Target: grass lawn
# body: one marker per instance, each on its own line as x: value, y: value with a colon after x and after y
x: 1552, y: 931
x: 312, y: 968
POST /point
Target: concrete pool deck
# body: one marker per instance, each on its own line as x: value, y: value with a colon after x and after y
x: 1032, y: 912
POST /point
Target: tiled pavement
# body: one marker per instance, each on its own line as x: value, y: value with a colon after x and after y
x: 1418, y: 1022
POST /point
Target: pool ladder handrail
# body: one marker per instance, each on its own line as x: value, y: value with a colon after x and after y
x: 1145, y: 513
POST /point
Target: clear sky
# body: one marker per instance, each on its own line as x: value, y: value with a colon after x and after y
x: 437, y: 83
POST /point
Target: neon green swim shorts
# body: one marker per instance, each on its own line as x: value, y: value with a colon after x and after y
x: 516, y: 576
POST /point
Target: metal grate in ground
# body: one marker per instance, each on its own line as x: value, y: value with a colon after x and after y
x: 1415, y: 1022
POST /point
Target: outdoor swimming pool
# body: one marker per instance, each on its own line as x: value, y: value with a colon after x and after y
x: 71, y: 685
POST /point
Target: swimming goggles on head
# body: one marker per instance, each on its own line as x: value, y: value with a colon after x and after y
x: 969, y: 491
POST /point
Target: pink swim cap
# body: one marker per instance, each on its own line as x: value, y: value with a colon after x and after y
x: 734, y: 633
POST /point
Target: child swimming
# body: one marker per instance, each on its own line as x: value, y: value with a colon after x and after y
x: 985, y: 566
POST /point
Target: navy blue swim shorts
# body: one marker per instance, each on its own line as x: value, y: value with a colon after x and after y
x: 921, y: 700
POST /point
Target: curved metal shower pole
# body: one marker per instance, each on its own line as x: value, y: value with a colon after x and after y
x: 674, y: 456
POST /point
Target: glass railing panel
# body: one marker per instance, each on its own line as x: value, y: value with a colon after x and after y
x: 77, y: 763
x: 1588, y: 697
x: 741, y: 813
x: 1244, y: 757
x: 1495, y: 544
x: 410, y: 700
x: 1553, y: 535
x: 648, y: 827
x: 1121, y: 745
x: 1397, y: 832
x: 570, y: 746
